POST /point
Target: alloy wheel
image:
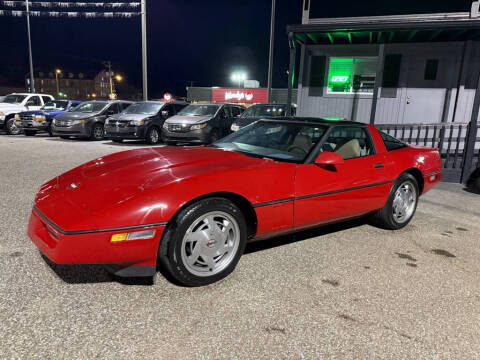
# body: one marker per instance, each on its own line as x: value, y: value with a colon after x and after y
x: 210, y: 243
x: 404, y: 202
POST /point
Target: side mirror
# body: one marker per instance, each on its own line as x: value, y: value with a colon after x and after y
x: 165, y: 113
x: 328, y: 158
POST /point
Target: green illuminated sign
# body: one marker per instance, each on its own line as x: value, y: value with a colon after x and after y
x: 339, y: 79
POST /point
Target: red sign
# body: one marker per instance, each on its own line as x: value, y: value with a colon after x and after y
x: 167, y: 97
x: 245, y: 96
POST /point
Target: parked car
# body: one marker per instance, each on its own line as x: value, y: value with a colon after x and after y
x: 142, y: 120
x: 87, y: 119
x: 193, y: 209
x: 16, y: 103
x: 201, y: 123
x: 31, y: 122
x: 259, y: 111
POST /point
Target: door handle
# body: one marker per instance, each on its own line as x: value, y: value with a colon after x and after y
x: 378, y: 166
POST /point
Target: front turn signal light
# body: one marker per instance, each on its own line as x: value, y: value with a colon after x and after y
x: 138, y: 235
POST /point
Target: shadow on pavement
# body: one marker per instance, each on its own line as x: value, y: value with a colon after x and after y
x: 261, y: 245
x: 83, y: 274
x: 88, y: 274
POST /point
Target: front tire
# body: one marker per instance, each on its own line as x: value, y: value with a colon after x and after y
x: 97, y: 132
x: 204, y: 242
x: 401, y: 204
x: 153, y: 136
x: 11, y: 128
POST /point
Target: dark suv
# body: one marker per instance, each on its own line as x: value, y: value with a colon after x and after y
x: 201, y: 123
x: 142, y: 120
x: 261, y: 111
x: 87, y: 119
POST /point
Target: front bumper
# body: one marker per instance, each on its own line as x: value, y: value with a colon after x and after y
x: 127, y: 132
x: 32, y: 125
x: 95, y: 247
x: 201, y: 136
x: 81, y: 130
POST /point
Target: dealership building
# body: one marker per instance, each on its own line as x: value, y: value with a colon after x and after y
x: 238, y: 95
x: 415, y: 76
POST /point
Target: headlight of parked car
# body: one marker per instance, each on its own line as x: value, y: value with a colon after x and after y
x: 234, y: 127
x: 165, y: 126
x: 40, y: 118
x: 2, y: 113
x: 107, y: 120
x: 137, y: 122
x: 198, y: 126
x: 17, y: 117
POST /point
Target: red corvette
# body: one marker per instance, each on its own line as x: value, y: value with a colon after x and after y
x: 193, y: 209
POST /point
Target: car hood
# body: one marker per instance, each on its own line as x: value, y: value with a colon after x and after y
x: 6, y: 107
x: 131, y: 117
x: 182, y: 119
x: 74, y: 115
x: 44, y: 112
x: 123, y: 189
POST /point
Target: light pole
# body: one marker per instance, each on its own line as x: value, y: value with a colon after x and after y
x: 57, y: 72
x: 144, y: 49
x: 270, y: 54
x: 32, y: 81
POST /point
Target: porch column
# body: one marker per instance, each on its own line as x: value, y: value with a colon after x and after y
x: 378, y: 81
x: 471, y: 136
x: 291, y: 72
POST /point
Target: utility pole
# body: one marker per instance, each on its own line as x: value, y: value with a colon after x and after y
x: 144, y: 49
x: 109, y: 65
x: 270, y: 57
x: 32, y: 81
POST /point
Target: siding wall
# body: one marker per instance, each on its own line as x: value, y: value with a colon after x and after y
x: 391, y: 110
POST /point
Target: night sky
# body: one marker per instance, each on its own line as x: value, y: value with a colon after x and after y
x: 188, y: 40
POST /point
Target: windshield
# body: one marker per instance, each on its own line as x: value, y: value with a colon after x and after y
x: 143, y: 108
x: 264, y: 110
x: 56, y: 105
x: 14, y: 99
x: 199, y: 110
x: 90, y: 107
x: 280, y: 141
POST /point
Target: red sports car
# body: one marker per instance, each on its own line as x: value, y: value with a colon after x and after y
x: 192, y: 209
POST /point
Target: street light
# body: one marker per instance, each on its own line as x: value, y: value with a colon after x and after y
x: 118, y: 77
x: 57, y: 72
x: 238, y: 76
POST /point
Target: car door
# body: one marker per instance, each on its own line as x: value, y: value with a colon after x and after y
x: 356, y: 187
x: 46, y: 99
x: 167, y: 110
x: 34, y: 102
x: 223, y: 118
x: 112, y: 109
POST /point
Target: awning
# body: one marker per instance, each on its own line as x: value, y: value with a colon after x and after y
x: 388, y: 29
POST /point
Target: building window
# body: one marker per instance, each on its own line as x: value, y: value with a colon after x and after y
x: 431, y: 69
x: 352, y: 75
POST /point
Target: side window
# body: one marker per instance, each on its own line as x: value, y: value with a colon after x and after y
x: 350, y: 142
x: 235, y: 111
x: 114, y: 108
x: 391, y: 143
x: 169, y: 108
x: 224, y: 113
x: 34, y: 101
x: 46, y: 99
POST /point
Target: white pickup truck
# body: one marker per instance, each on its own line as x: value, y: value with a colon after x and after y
x: 16, y: 103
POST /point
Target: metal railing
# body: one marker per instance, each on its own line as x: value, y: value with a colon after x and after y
x: 451, y: 139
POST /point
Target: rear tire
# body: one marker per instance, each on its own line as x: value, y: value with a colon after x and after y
x: 401, y: 204
x: 97, y: 132
x: 204, y: 242
x: 29, y: 132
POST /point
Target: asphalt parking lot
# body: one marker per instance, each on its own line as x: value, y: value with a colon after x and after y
x: 349, y: 291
